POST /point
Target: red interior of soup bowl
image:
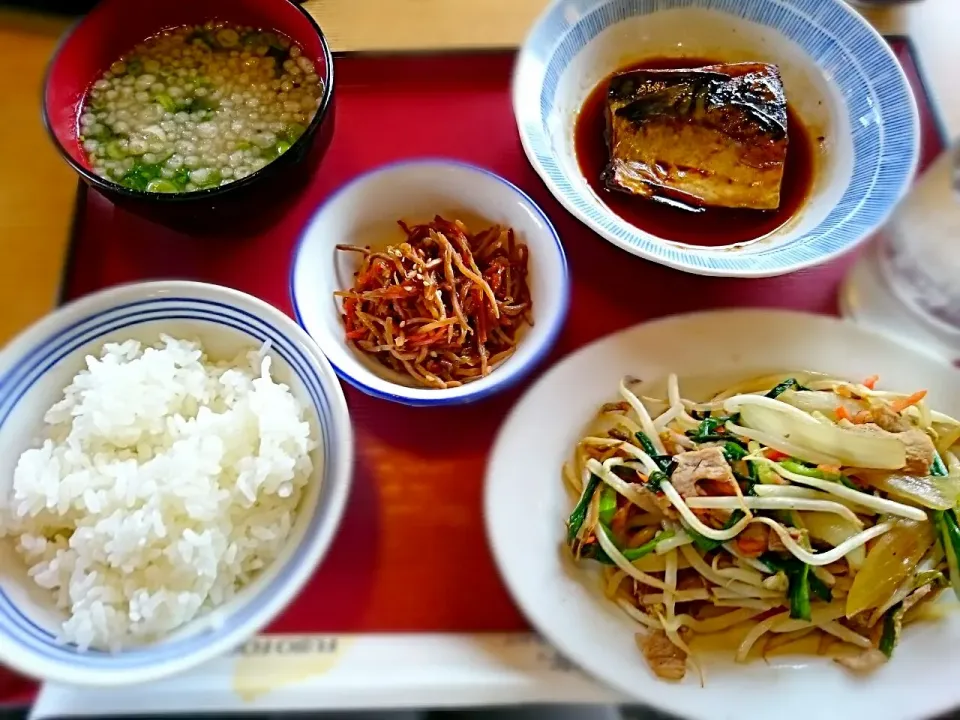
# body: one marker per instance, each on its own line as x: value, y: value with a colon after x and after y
x: 115, y: 26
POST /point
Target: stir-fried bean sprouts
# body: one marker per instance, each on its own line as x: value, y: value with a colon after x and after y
x: 880, y: 505
x: 772, y: 506
x: 772, y: 503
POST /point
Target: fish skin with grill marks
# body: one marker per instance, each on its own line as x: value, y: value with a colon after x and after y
x: 714, y: 136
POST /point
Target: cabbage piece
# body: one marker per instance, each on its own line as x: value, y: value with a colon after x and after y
x: 891, y: 559
x: 947, y: 436
x: 822, y: 401
x: 817, y: 440
x: 936, y: 493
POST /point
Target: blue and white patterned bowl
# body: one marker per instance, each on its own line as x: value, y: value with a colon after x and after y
x: 365, y: 212
x: 34, y: 369
x: 839, y: 74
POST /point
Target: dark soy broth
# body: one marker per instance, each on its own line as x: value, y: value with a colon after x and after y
x: 710, y: 226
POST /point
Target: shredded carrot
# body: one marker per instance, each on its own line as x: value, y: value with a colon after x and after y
x: 775, y: 455
x: 871, y: 382
x: 862, y: 417
x: 842, y: 414
x: 829, y: 469
x: 902, y: 404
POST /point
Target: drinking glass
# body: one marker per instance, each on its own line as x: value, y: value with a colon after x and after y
x: 907, y: 284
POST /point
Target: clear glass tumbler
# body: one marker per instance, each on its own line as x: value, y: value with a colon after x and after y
x: 907, y: 284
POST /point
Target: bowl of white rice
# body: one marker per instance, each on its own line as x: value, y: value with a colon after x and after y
x: 175, y: 458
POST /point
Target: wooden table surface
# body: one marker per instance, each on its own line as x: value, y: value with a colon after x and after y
x: 37, y: 188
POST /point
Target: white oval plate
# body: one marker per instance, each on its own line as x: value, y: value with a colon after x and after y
x: 526, y: 505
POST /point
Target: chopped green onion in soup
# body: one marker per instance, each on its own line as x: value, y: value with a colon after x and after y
x: 197, y: 107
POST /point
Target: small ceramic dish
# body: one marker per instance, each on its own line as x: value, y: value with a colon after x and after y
x: 840, y: 77
x: 365, y: 212
x: 34, y: 370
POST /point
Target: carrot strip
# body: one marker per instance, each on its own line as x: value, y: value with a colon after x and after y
x: 871, y: 382
x: 862, y: 417
x: 775, y: 455
x: 842, y: 414
x: 902, y: 404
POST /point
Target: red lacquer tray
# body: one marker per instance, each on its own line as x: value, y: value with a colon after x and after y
x: 411, y: 554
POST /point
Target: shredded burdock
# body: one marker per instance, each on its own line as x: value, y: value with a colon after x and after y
x: 445, y: 306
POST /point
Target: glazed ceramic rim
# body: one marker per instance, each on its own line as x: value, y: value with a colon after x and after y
x: 555, y: 40
x: 28, y: 357
x: 498, y: 380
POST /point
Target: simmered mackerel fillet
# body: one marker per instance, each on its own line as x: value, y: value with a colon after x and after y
x: 715, y: 135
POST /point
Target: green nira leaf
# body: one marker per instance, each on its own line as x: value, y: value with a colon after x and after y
x: 733, y: 451
x: 938, y: 468
x: 948, y: 531
x: 820, y: 588
x: 891, y: 629
x: 799, y: 593
x: 655, y: 480
x: 664, y: 462
x: 711, y: 429
x: 799, y: 468
x: 608, y: 504
x: 802, y: 582
x: 646, y: 443
x: 788, y: 384
x: 595, y: 552
x: 579, y: 514
x: 705, y: 544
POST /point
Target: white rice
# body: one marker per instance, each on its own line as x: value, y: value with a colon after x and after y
x: 167, y: 483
